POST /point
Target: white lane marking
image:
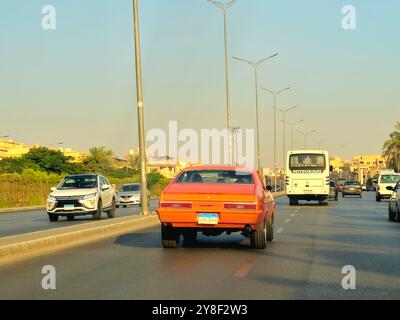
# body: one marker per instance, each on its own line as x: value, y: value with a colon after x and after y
x: 287, y: 220
x: 292, y: 215
x: 280, y: 230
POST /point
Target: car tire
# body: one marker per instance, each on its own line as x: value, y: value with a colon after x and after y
x: 378, y: 198
x: 97, y: 215
x: 336, y: 198
x: 258, y: 238
x: 270, y: 229
x: 391, y: 214
x: 53, y: 217
x: 117, y: 207
x: 169, y: 237
x: 111, y: 213
x: 125, y: 206
x: 71, y: 218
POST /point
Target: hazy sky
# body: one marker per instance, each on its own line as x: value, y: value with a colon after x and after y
x: 76, y: 84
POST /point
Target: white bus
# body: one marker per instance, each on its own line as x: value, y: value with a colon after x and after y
x: 307, y: 176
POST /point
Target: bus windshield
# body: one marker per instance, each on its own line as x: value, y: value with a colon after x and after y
x: 308, y: 162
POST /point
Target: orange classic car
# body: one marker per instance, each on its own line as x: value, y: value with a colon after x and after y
x: 214, y: 200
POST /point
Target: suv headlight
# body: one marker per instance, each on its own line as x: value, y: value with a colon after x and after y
x: 89, y: 196
x: 51, y: 198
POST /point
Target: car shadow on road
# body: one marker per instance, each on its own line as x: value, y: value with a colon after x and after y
x: 153, y: 240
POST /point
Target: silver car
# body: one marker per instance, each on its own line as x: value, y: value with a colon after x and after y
x: 129, y: 195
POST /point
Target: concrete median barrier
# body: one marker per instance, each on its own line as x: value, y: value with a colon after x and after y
x: 36, y: 243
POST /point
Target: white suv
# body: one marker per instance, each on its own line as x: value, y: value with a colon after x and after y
x: 386, y: 179
x: 79, y: 195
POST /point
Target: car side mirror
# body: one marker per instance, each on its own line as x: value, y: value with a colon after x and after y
x: 105, y: 187
x: 53, y: 189
x: 269, y: 188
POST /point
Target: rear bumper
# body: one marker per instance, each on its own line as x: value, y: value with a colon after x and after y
x: 227, y: 219
x: 352, y: 193
x: 309, y: 197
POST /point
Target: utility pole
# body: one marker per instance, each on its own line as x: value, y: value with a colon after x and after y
x: 142, y: 142
x: 224, y: 8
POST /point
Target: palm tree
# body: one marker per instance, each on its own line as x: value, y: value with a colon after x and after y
x: 100, y: 159
x: 134, y: 161
x: 391, y: 148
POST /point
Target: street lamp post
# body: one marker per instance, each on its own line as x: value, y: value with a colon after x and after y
x: 224, y: 8
x: 6, y: 136
x: 319, y: 142
x: 255, y: 65
x: 292, y: 125
x: 142, y: 143
x: 275, y: 94
x: 306, y: 134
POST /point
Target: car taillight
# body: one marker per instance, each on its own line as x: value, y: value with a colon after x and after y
x: 240, y: 206
x: 175, y: 205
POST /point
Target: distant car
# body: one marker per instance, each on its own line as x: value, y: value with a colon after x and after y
x: 79, y: 195
x: 214, y: 200
x: 129, y: 194
x: 352, y: 188
x: 394, y: 204
x: 386, y: 179
x: 333, y: 191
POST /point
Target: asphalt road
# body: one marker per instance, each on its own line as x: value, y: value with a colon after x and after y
x: 305, y: 261
x: 15, y: 223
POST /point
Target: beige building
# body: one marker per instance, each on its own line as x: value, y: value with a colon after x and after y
x: 12, y: 149
x: 167, y: 166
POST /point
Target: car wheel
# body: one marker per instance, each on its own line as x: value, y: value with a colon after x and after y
x: 71, y: 218
x: 169, y: 237
x: 378, y: 198
x: 336, y: 198
x: 392, y: 215
x: 97, y: 215
x: 53, y: 217
x: 270, y: 229
x: 258, y: 238
x: 189, y: 238
x: 117, y: 207
x: 125, y: 206
x: 111, y: 213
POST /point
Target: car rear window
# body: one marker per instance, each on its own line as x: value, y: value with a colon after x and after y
x: 352, y: 183
x: 215, y: 176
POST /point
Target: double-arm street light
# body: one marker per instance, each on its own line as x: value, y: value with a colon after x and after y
x: 142, y: 143
x: 235, y: 131
x: 306, y: 134
x: 292, y: 125
x: 224, y: 7
x: 319, y: 142
x: 275, y: 94
x: 255, y: 65
x: 6, y: 136
x: 56, y: 144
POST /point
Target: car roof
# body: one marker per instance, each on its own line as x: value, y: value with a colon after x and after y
x: 216, y: 168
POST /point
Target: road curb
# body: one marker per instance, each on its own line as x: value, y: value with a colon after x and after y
x: 35, y: 243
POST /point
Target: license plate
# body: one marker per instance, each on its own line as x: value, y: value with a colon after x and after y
x: 208, y: 218
x: 69, y: 207
x: 352, y: 189
x: 308, y: 191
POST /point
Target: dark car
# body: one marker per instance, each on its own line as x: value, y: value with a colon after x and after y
x: 352, y: 188
x: 333, y: 191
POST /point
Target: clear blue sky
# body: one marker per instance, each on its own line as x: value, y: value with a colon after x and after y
x: 76, y: 84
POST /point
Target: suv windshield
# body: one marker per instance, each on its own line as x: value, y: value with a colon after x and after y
x: 130, y: 188
x: 79, y: 182
x: 215, y: 176
x: 390, y: 178
x: 315, y: 162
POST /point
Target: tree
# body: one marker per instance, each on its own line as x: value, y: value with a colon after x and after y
x: 391, y: 148
x: 46, y: 160
x: 134, y: 161
x: 99, y: 160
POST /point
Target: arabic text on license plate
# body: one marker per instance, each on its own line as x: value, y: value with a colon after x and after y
x: 208, y: 218
x: 69, y: 207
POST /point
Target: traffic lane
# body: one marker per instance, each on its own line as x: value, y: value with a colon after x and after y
x: 305, y: 261
x: 15, y: 223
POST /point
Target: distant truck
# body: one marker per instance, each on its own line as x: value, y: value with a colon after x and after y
x: 386, y: 179
x: 308, y: 176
